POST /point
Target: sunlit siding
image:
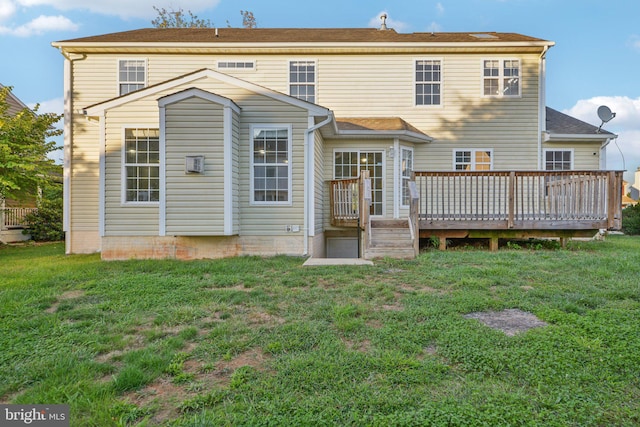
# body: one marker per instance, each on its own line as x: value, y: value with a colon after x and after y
x: 194, y: 202
x: 586, y: 156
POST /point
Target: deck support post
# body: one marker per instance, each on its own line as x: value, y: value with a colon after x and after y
x: 493, y: 244
x: 443, y: 243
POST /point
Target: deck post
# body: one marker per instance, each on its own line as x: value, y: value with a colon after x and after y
x: 512, y: 199
x: 364, y: 202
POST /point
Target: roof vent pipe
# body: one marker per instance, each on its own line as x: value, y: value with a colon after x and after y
x: 383, y: 27
x: 216, y: 31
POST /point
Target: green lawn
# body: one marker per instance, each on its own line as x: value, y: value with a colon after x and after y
x: 255, y: 341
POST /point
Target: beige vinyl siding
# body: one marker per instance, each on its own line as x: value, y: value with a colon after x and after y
x: 272, y: 219
x: 194, y: 202
x: 583, y: 153
x: 235, y: 156
x: 127, y: 219
x: 321, y: 175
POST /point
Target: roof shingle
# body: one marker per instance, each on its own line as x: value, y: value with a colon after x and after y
x: 563, y: 124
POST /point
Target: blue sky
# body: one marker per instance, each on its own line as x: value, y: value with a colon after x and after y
x: 596, y: 59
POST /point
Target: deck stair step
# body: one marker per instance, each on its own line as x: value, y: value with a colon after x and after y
x: 390, y: 238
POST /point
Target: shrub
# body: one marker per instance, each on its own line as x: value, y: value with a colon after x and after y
x: 45, y: 224
x: 631, y: 219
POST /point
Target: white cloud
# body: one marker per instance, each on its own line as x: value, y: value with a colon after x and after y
x: 635, y: 42
x: 50, y: 106
x: 626, y: 125
x: 434, y: 27
x: 41, y: 25
x: 7, y: 9
x: 122, y: 8
x: 399, y: 26
x: 440, y: 8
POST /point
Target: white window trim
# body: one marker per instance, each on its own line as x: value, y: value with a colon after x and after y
x: 235, y: 61
x: 146, y: 72
x: 500, y: 77
x: 123, y: 167
x: 384, y: 171
x: 473, y: 152
x: 415, y: 82
x: 544, y: 158
x: 289, y: 128
x: 401, y: 177
x: 315, y: 78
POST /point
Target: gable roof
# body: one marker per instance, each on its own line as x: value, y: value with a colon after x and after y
x: 14, y: 103
x: 97, y: 109
x: 561, y: 126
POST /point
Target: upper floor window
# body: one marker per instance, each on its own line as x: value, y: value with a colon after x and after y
x: 236, y: 65
x: 131, y: 75
x: 501, y: 77
x: 428, y: 82
x: 271, y: 165
x: 302, y: 80
x: 142, y: 165
x: 473, y: 160
x: 558, y: 160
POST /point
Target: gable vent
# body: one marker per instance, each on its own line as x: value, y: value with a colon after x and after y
x: 194, y: 164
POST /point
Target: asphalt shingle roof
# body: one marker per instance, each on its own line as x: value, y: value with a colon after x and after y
x: 563, y: 124
x: 293, y: 35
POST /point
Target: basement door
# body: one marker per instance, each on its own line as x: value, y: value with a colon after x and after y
x: 349, y: 164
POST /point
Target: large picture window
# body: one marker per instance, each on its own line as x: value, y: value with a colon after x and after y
x: 271, y: 164
x: 131, y: 75
x: 302, y: 80
x: 142, y: 165
x: 428, y: 82
x: 473, y: 160
x: 501, y: 77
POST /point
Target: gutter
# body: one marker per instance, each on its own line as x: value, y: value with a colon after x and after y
x: 309, y: 202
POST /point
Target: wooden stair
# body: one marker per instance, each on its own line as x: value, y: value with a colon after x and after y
x: 390, y: 238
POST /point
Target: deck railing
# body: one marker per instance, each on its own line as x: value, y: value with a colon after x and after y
x: 14, y: 217
x: 344, y: 202
x: 520, y: 199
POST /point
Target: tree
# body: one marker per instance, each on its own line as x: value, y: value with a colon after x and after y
x: 24, y: 165
x: 178, y: 19
x: 248, y: 20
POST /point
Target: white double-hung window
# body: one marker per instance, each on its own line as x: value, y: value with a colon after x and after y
x: 501, y: 78
x: 270, y: 164
x: 302, y: 80
x: 428, y: 76
x: 132, y: 75
x: 141, y: 165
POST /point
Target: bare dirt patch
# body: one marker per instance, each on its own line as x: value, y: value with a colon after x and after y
x: 221, y: 375
x: 510, y: 321
x: 65, y: 296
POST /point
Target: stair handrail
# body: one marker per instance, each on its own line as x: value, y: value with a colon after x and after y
x: 414, y: 206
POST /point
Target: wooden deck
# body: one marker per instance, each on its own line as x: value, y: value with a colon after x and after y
x: 499, y: 204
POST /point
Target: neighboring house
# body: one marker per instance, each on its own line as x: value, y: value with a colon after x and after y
x: 633, y: 190
x: 12, y: 212
x: 194, y: 143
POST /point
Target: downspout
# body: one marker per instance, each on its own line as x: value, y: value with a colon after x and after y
x: 542, y: 100
x: 67, y: 146
x: 309, y: 164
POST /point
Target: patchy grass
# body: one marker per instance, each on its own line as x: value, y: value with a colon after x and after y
x: 255, y: 341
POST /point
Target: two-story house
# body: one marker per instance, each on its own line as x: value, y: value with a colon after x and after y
x: 195, y: 143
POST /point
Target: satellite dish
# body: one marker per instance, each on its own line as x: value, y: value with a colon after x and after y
x: 605, y: 115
